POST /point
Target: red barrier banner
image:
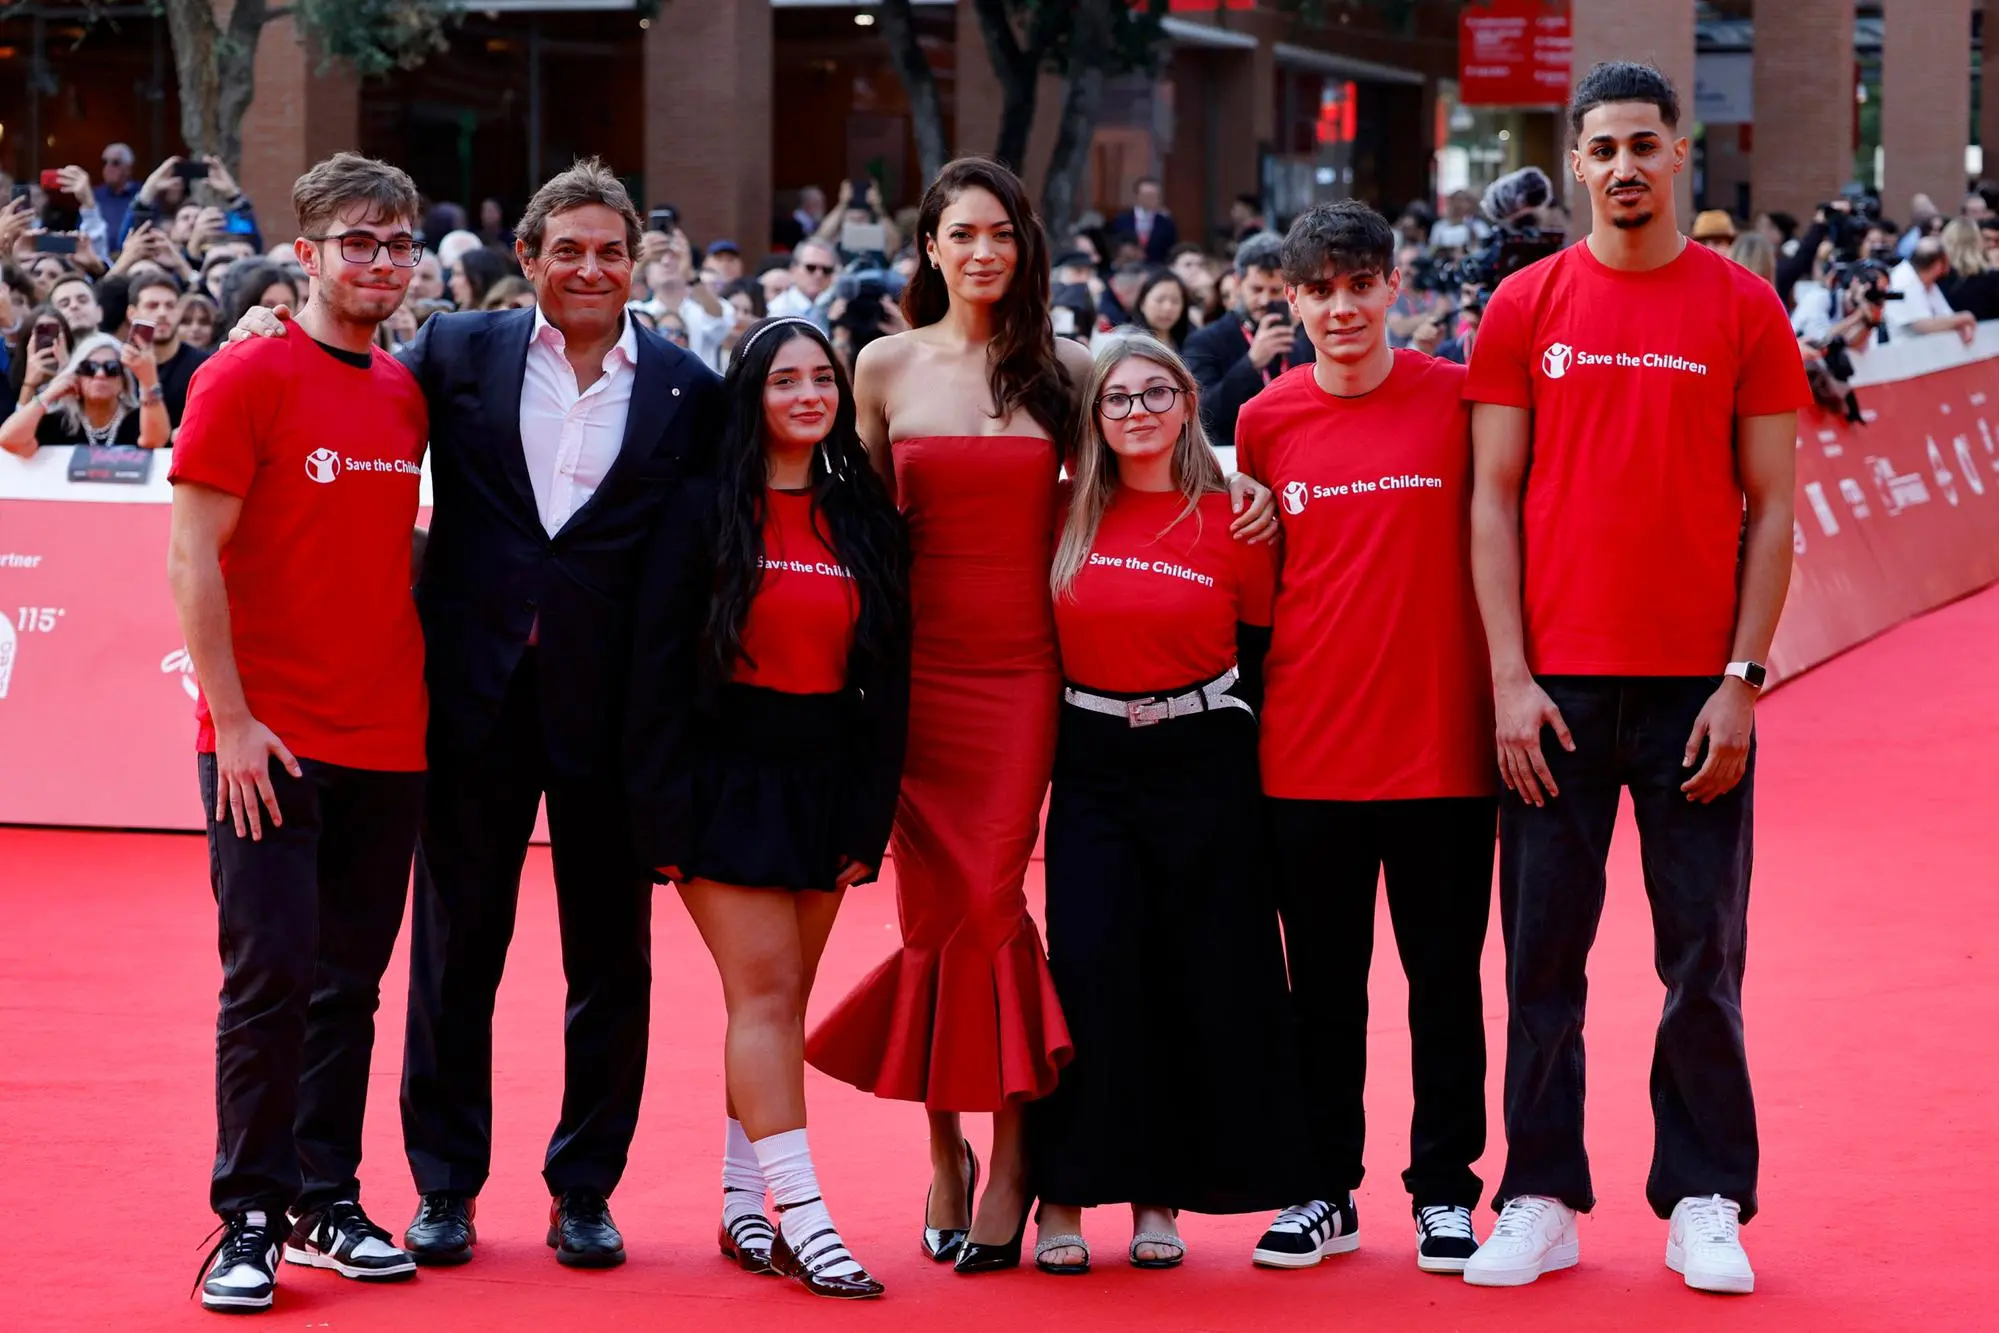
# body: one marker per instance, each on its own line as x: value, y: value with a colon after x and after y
x: 1899, y: 513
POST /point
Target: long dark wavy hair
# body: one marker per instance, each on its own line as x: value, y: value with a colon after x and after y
x: 850, y: 505
x: 1023, y: 371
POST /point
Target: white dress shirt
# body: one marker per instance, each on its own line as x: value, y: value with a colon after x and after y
x: 570, y: 438
x: 1919, y: 301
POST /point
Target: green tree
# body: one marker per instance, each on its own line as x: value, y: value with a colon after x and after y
x: 215, y: 56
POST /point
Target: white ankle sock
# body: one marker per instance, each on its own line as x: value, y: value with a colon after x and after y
x: 787, y: 1166
x: 742, y: 1176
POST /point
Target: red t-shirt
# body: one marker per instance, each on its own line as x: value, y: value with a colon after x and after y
x: 1632, y: 519
x: 800, y: 628
x: 1156, y: 604
x: 327, y: 458
x: 1377, y: 687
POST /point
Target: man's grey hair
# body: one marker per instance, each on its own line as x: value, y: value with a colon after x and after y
x: 1264, y: 250
x: 1929, y: 252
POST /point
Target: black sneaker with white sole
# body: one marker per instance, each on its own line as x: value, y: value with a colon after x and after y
x: 1444, y: 1238
x: 1307, y: 1233
x: 340, y: 1237
x: 241, y: 1272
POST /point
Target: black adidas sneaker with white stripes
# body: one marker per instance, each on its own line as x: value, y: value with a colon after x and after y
x: 340, y: 1237
x: 1307, y: 1233
x: 1444, y: 1238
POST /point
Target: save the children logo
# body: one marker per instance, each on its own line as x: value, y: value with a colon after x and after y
x: 1555, y: 361
x: 1295, y: 495
x: 178, y: 663
x: 322, y: 465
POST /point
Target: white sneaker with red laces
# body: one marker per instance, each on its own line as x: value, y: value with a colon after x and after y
x: 1534, y: 1235
x: 1704, y: 1245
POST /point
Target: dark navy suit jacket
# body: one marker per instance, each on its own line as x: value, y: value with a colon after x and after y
x: 490, y: 569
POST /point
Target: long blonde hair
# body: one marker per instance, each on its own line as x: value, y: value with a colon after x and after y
x: 1756, y: 254
x: 1094, y: 473
x: 1964, y: 244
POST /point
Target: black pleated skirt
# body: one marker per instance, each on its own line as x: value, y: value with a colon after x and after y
x: 1163, y: 939
x: 767, y: 792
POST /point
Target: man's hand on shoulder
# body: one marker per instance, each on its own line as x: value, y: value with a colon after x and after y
x: 261, y: 322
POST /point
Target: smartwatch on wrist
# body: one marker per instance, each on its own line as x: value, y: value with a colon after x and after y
x: 157, y: 393
x: 1751, y: 674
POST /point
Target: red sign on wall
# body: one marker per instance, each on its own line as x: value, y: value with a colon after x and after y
x: 1514, y: 53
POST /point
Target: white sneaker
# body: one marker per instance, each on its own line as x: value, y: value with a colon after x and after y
x: 1534, y: 1235
x: 1704, y: 1245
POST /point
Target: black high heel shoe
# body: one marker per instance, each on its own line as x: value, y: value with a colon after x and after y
x: 943, y: 1243
x: 976, y: 1257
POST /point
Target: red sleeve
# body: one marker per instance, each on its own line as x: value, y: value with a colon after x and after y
x: 1256, y: 582
x: 1501, y: 359
x: 1772, y: 375
x: 219, y: 436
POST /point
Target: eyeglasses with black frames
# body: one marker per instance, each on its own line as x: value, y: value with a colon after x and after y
x: 1157, y: 399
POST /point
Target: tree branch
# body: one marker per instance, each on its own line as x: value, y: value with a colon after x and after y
x: 926, y: 108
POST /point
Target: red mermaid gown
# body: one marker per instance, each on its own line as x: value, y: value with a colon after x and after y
x: 964, y: 1016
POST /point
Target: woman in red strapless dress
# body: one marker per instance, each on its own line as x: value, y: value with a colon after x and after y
x: 969, y: 413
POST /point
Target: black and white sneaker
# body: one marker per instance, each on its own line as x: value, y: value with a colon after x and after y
x: 241, y: 1272
x: 1444, y: 1238
x: 340, y: 1237
x: 1307, y: 1233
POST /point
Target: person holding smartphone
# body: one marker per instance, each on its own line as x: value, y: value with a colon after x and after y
x: 44, y: 354
x: 1234, y: 357
x: 107, y: 393
x: 154, y: 303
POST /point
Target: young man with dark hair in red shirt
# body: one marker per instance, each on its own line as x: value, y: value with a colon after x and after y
x: 295, y: 496
x: 1630, y: 582
x: 1377, y: 736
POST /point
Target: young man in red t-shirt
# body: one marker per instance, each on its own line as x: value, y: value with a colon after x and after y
x: 1377, y: 732
x: 295, y: 497
x: 1630, y: 582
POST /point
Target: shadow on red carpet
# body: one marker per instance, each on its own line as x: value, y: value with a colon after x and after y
x: 1872, y: 997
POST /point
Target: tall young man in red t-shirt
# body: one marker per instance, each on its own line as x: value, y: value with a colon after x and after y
x: 1377, y: 735
x: 295, y: 496
x: 1630, y: 582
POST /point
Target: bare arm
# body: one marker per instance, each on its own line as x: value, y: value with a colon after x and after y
x: 872, y: 371
x: 204, y: 519
x: 1766, y: 464
x: 17, y: 433
x: 1521, y: 708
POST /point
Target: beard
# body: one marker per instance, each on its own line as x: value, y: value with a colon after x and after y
x: 1632, y: 221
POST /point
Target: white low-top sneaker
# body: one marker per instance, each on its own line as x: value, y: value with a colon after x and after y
x: 1534, y: 1235
x: 1704, y: 1245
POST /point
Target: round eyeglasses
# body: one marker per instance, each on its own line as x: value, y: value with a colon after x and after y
x: 1159, y: 398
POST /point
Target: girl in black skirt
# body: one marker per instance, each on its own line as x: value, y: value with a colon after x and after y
x: 1162, y: 931
x: 767, y: 708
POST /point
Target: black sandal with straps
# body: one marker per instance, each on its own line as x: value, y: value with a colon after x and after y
x: 747, y: 1240
x: 808, y: 1264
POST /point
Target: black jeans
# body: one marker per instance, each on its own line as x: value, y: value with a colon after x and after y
x: 1629, y: 732
x: 478, y: 816
x: 308, y: 917
x: 1437, y: 858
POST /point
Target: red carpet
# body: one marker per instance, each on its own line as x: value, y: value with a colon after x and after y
x: 1873, y: 997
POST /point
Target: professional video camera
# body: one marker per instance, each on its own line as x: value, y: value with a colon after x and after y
x: 862, y: 285
x: 1847, y: 221
x: 1512, y: 205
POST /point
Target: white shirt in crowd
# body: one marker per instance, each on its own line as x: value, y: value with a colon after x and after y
x: 791, y: 301
x: 705, y: 332
x: 571, y: 438
x: 1918, y: 301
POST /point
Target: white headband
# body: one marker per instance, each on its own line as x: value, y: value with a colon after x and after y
x: 780, y: 322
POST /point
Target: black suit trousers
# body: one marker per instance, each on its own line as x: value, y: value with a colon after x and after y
x: 478, y: 817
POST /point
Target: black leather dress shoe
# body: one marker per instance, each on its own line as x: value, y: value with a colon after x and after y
x: 581, y: 1232
x: 441, y: 1233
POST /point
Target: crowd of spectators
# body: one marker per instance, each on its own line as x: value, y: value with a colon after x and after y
x: 162, y: 266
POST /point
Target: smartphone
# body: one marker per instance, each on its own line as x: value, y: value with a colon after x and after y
x: 863, y: 238
x: 859, y: 188
x: 666, y: 220
x: 19, y: 194
x: 1281, y: 310
x: 191, y: 170
x: 49, y: 243
x: 239, y: 224
x: 51, y: 182
x: 142, y: 333
x: 46, y: 334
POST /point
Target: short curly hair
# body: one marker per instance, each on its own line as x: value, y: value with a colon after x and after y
x: 1623, y: 81
x: 1346, y: 237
